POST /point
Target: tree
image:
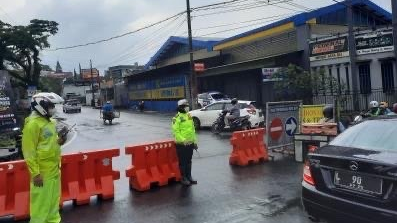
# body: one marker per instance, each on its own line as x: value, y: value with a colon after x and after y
x: 51, y: 84
x: 20, y: 47
x: 294, y: 83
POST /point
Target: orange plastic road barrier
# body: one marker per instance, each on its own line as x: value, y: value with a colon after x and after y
x: 153, y: 163
x: 88, y: 174
x: 248, y: 147
x: 14, y: 190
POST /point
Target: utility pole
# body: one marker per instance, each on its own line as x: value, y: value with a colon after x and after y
x: 92, y: 86
x: 394, y: 15
x: 352, y: 53
x: 193, y: 77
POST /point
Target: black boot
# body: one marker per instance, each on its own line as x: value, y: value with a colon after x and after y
x: 192, y: 181
x: 189, y: 174
x: 185, y: 181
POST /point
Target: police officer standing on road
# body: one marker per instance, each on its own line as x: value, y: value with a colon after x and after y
x: 186, y: 141
x: 42, y: 153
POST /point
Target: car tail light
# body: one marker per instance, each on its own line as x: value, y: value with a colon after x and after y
x: 307, y: 175
x: 312, y: 148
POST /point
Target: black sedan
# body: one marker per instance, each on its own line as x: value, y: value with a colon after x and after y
x: 354, y: 178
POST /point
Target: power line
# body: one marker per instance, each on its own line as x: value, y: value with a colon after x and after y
x: 254, y: 6
x: 247, y: 21
x: 150, y: 36
x: 154, y: 24
x: 233, y: 5
x: 215, y: 4
x: 119, y: 36
x: 241, y: 27
x: 154, y: 46
x: 279, y: 6
x: 7, y: 15
x: 299, y: 6
x: 148, y: 45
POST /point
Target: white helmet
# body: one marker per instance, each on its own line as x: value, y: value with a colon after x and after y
x: 42, y: 105
x: 183, y: 102
x: 373, y: 104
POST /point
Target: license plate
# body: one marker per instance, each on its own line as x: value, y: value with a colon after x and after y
x: 357, y: 182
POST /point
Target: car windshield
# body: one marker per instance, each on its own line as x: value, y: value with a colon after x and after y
x: 217, y: 96
x: 72, y: 102
x: 378, y: 135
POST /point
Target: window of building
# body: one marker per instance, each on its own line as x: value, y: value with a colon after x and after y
x: 387, y: 76
x: 365, y: 78
x: 347, y: 78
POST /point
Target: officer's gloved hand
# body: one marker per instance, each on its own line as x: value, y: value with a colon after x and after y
x: 187, y: 143
x: 61, y: 140
x: 38, y: 181
x: 195, y: 147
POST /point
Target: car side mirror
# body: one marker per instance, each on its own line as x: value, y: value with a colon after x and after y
x: 203, y: 109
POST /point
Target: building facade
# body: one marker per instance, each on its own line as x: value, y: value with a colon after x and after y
x: 241, y: 73
x: 167, y: 76
x: 375, y: 68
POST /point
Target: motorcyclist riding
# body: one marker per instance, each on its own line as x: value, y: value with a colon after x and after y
x: 374, y: 109
x: 107, y: 110
x: 328, y: 113
x: 234, y: 111
x: 108, y: 107
x: 384, y: 107
x: 394, y: 111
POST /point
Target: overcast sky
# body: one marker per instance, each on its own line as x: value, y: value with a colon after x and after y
x: 82, y: 21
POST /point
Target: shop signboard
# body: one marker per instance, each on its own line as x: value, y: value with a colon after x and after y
x: 6, y: 103
x: 329, y: 48
x: 164, y: 88
x: 267, y: 74
x: 374, y: 42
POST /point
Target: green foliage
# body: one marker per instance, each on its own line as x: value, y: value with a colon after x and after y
x: 20, y: 47
x: 46, y: 67
x: 50, y: 84
x: 297, y: 84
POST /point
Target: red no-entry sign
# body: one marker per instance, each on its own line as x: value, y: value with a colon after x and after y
x: 276, y: 128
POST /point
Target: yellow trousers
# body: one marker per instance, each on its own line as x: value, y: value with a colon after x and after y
x: 44, y: 201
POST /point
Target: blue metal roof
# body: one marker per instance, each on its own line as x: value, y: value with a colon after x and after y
x: 301, y: 18
x: 197, y: 42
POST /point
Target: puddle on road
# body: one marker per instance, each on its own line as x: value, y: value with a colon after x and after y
x: 258, y: 210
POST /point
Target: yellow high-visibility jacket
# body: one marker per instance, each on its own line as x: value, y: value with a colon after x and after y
x: 40, y: 146
x: 183, y: 128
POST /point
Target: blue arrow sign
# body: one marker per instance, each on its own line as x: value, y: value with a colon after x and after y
x: 291, y: 126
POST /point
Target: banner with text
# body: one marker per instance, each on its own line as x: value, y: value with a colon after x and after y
x: 374, y: 42
x: 329, y: 49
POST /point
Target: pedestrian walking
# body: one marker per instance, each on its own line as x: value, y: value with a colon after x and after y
x: 42, y: 153
x: 186, y: 141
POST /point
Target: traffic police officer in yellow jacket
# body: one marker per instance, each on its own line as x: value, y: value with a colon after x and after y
x: 42, y: 153
x: 186, y: 141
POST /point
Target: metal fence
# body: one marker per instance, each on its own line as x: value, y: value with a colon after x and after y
x: 347, y: 103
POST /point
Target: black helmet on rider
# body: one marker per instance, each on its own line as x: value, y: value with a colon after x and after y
x: 43, y: 106
x: 328, y: 112
x: 234, y: 101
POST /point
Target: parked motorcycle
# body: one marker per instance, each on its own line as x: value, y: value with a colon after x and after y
x: 238, y: 124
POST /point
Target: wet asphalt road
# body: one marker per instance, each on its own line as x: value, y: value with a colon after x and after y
x: 268, y: 192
